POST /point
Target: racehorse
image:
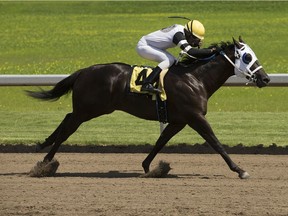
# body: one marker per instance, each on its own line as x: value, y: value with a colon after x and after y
x: 101, y: 89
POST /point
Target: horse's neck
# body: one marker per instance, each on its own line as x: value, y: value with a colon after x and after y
x: 216, y: 74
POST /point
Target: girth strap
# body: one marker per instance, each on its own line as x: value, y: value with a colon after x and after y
x: 161, y: 110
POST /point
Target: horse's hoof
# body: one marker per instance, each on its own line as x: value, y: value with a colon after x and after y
x: 161, y: 171
x: 44, y: 169
x: 145, y: 167
x: 244, y: 175
x: 146, y: 170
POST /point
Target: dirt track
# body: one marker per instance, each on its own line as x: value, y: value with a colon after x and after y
x: 108, y: 184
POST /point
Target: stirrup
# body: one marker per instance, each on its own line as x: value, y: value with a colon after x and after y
x: 149, y: 88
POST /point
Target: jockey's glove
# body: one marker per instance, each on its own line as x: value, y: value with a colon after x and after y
x: 216, y: 49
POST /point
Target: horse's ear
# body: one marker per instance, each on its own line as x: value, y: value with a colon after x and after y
x: 237, y: 44
x: 240, y: 39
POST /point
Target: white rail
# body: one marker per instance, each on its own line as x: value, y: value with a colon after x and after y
x: 280, y: 80
x: 31, y: 80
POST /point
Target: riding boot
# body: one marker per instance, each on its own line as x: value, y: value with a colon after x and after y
x: 147, y: 83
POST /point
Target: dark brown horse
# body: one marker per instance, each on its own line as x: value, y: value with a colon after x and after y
x: 101, y: 89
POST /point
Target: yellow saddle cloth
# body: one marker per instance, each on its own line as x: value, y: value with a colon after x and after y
x: 139, y: 74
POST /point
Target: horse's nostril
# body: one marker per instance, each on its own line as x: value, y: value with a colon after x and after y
x: 266, y: 80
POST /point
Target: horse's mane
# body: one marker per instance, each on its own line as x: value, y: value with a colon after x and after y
x: 188, y: 62
x: 223, y: 45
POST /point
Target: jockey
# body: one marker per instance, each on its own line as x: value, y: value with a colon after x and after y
x: 154, y: 47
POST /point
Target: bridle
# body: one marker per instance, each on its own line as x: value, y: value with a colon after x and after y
x: 245, y: 58
x: 242, y: 67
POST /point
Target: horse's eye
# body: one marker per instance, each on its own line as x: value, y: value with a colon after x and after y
x: 247, y: 58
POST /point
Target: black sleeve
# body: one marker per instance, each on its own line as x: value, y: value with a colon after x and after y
x: 179, y: 36
x: 200, y: 53
x: 180, y: 40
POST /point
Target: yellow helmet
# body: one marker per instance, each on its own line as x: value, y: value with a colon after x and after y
x: 196, y: 28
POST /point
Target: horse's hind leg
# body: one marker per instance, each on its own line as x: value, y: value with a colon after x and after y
x: 165, y: 136
x: 68, y: 126
x: 50, y: 140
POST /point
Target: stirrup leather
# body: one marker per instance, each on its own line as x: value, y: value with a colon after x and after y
x: 149, y: 88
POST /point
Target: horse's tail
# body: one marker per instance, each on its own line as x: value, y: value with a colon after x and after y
x: 61, y: 88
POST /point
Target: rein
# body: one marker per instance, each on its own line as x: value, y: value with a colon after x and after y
x: 182, y: 53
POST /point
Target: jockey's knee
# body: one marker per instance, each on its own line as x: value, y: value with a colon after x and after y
x: 166, y: 64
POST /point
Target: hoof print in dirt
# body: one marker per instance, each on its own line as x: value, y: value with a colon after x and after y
x: 161, y: 171
x: 44, y: 169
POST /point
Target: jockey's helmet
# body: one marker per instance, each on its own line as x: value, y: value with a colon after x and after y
x: 196, y: 28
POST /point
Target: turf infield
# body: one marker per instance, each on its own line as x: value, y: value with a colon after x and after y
x: 61, y: 37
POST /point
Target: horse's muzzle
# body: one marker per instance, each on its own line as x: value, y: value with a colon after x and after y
x: 262, y: 79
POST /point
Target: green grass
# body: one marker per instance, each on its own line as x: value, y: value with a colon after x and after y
x: 233, y: 118
x: 61, y: 37
x: 231, y: 128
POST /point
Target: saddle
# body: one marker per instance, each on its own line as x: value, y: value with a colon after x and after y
x: 139, y: 73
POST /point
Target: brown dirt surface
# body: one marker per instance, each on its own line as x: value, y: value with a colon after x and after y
x: 109, y: 184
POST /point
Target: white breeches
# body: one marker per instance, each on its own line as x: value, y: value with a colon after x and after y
x: 164, y: 58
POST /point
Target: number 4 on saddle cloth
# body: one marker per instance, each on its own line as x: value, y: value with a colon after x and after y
x: 139, y: 73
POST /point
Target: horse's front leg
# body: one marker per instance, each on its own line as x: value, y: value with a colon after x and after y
x: 201, y: 125
x: 165, y: 136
